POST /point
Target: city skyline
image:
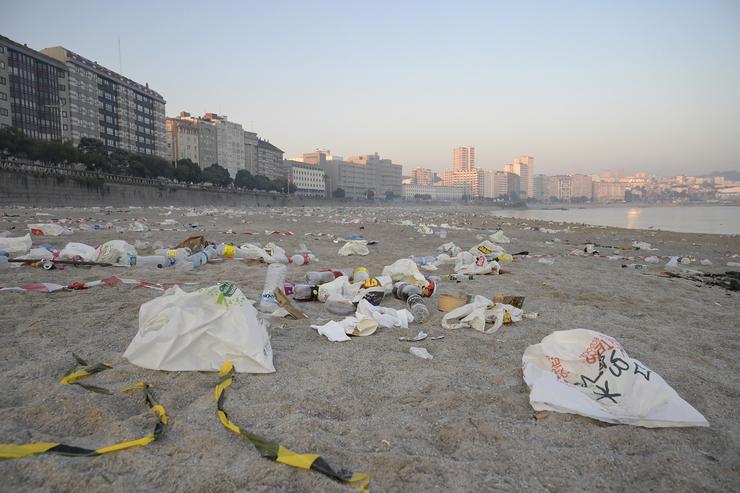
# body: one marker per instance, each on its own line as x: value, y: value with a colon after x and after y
x: 642, y: 88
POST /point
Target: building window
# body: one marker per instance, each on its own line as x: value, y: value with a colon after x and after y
x: 4, y: 111
x: 2, y: 64
x: 3, y: 81
x: 64, y: 114
x: 3, y: 96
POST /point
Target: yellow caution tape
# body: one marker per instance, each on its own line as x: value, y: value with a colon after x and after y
x: 277, y: 452
x: 15, y: 451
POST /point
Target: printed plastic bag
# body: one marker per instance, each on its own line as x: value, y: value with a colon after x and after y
x: 198, y: 331
x: 115, y: 251
x: 588, y: 373
x: 50, y: 229
x: 78, y: 251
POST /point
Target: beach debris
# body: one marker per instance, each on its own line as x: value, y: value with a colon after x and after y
x: 47, y: 287
x: 546, y: 261
x: 418, y: 337
x: 197, y: 331
x: 194, y: 243
x: 51, y: 229
x: 447, y: 302
x: 705, y: 261
x: 420, y: 352
x: 16, y: 245
x: 436, y: 338
x: 288, y: 307
x: 277, y: 452
x: 478, y: 313
x: 588, y: 373
x: 354, y: 247
x: 517, y: 301
x: 332, y: 330
x: 274, y: 279
x: 642, y: 245
x: 15, y: 451
x: 499, y: 237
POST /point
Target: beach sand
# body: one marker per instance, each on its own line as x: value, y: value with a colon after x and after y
x: 459, y: 422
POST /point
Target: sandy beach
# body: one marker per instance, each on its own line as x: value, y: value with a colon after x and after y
x: 459, y: 422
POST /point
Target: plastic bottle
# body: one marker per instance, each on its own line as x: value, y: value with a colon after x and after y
x: 360, y: 274
x: 274, y: 278
x: 320, y: 277
x: 403, y: 290
x: 305, y: 292
x: 461, y: 277
x: 288, y: 288
x: 231, y: 251
x: 158, y: 261
x: 424, y: 260
x: 418, y: 309
x: 202, y: 257
x: 176, y: 253
x: 302, y: 259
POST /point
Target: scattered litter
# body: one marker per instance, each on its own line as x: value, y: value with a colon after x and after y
x: 585, y: 372
x: 420, y: 352
x: 418, y: 337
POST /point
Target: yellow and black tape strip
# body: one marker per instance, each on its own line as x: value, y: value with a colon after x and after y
x: 75, y: 377
x: 14, y: 451
x: 277, y: 452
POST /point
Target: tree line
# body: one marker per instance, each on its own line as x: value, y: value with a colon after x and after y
x: 93, y: 154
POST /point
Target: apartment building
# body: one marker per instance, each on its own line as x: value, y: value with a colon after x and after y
x: 474, y: 178
x: 506, y: 185
x: 251, y: 152
x: 463, y: 158
x: 422, y: 176
x: 229, y: 142
x: 358, y: 174
x: 269, y: 160
x: 182, y: 139
x: 107, y: 106
x: 33, y: 92
x: 524, y: 167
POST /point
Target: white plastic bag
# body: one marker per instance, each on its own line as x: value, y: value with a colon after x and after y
x: 50, y: 229
x: 499, y: 237
x: 402, y: 269
x: 481, y: 311
x: 16, y: 245
x: 115, y: 251
x: 198, y: 331
x: 354, y: 247
x: 78, y: 251
x: 585, y: 372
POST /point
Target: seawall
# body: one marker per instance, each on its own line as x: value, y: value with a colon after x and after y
x: 37, y: 189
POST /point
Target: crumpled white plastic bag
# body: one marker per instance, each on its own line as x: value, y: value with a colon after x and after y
x: 449, y: 248
x: 78, y: 251
x: 588, y: 373
x: 403, y: 268
x: 467, y: 263
x: 16, y: 245
x: 354, y: 247
x: 333, y: 331
x: 198, y: 331
x: 499, y: 237
x: 386, y: 317
x: 481, y: 311
x: 487, y: 248
x: 115, y: 251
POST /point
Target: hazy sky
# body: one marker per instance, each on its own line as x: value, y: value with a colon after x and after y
x: 581, y: 86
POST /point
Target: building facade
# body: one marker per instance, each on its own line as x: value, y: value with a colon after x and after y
x: 309, y: 179
x: 539, y: 187
x: 435, y: 192
x: 358, y: 175
x: 107, y: 106
x: 269, y: 160
x: 463, y: 158
x: 524, y: 167
x: 506, y: 185
x: 474, y: 178
x: 422, y: 176
x: 251, y: 152
x: 608, y: 191
x: 182, y: 139
x: 229, y: 142
x: 33, y: 92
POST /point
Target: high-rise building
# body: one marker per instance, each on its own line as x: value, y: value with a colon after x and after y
x: 506, y: 185
x: 182, y: 139
x: 107, y: 106
x: 358, y: 175
x: 269, y: 160
x: 229, y: 143
x: 463, y: 158
x: 251, y: 151
x: 474, y: 178
x: 33, y: 92
x: 309, y: 179
x: 524, y: 167
x: 539, y: 187
x: 422, y: 176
